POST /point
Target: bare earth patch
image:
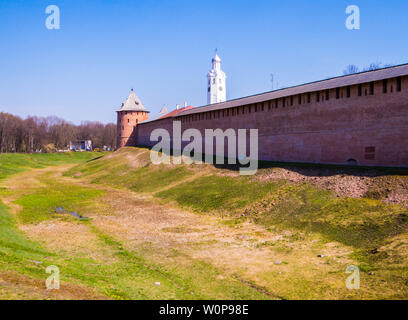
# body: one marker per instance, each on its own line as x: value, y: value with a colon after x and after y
x: 18, y: 287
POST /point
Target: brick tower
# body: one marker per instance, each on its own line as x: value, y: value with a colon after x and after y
x: 130, y: 114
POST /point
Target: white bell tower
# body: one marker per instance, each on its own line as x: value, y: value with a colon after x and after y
x: 216, y: 86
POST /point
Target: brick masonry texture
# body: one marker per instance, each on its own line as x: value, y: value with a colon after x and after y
x: 357, y: 124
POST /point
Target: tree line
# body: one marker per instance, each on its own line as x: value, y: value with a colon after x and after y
x: 352, y: 68
x: 47, y: 134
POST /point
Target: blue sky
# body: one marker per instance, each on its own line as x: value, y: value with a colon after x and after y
x: 163, y: 49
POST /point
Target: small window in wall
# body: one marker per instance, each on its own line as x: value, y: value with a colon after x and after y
x: 360, y: 90
x: 256, y: 107
x: 308, y: 97
x: 291, y: 100
x: 276, y: 104
x: 370, y: 153
x: 348, y: 91
x: 385, y: 86
x: 284, y: 102
x: 399, y: 84
x: 327, y: 94
x: 337, y: 93
x: 299, y: 99
x: 371, y: 88
x: 318, y: 96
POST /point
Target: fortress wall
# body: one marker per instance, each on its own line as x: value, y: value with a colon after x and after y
x: 145, y: 129
x: 371, y: 129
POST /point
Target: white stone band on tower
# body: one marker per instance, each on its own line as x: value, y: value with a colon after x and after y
x: 216, y: 89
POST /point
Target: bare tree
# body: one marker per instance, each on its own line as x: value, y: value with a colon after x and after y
x: 373, y: 66
x: 351, y: 69
x: 33, y: 134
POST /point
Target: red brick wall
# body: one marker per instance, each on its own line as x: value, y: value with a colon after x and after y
x: 126, y: 123
x: 372, y: 129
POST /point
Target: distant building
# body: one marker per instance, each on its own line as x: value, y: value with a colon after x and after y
x: 163, y: 110
x: 216, y: 91
x: 81, y: 145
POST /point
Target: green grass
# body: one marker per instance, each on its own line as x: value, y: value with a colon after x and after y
x: 15, y: 249
x: 41, y: 204
x: 362, y: 223
x: 131, y: 277
x: 12, y: 163
x: 133, y: 274
x: 146, y: 179
x: 210, y: 193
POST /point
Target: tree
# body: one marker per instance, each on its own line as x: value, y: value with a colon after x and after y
x: 35, y: 134
x: 350, y: 69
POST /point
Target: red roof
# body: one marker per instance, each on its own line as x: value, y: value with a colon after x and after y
x: 176, y: 112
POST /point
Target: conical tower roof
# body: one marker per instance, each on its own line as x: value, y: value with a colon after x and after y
x: 163, y: 110
x: 133, y: 103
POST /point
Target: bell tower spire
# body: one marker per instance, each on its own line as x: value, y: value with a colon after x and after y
x: 216, y: 91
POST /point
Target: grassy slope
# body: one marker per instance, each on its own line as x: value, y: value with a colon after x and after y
x: 361, y: 223
x: 11, y: 163
x: 130, y: 276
